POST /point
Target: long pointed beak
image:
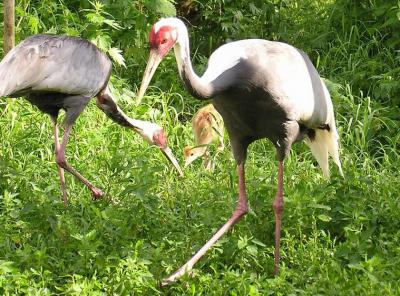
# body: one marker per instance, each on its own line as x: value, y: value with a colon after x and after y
x: 168, y: 153
x: 152, y: 64
x: 188, y: 161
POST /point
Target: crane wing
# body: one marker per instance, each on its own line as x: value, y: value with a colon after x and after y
x: 282, y: 70
x: 51, y: 63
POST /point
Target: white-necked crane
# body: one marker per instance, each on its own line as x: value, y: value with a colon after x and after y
x: 61, y: 72
x: 262, y: 89
x: 208, y: 127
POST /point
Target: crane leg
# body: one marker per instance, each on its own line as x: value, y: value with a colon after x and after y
x: 240, y: 211
x: 278, y: 210
x: 207, y: 161
x: 60, y: 169
x: 221, y: 145
x: 62, y: 162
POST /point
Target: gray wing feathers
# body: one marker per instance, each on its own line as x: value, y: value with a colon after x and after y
x: 293, y: 79
x: 282, y: 70
x: 50, y: 63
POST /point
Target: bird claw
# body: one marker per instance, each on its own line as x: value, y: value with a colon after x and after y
x: 96, y: 193
x: 179, y: 273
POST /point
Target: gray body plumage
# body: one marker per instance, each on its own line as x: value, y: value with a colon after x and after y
x: 55, y: 72
x: 266, y: 90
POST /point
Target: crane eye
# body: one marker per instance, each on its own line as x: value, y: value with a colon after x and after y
x: 191, y: 154
x: 165, y: 40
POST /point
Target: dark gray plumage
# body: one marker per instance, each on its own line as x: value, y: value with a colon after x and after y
x: 61, y: 72
x: 262, y: 89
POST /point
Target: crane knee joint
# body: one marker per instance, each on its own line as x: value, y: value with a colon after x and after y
x: 278, y: 207
x: 241, y: 209
x: 61, y: 161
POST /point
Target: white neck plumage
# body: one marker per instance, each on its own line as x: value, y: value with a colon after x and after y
x: 182, y: 50
x: 197, y: 86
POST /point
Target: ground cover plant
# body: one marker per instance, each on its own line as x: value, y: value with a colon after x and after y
x: 340, y: 237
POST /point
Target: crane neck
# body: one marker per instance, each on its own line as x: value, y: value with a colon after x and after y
x: 107, y: 104
x: 197, y: 86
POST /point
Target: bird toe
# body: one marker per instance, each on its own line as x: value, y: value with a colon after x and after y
x: 97, y: 193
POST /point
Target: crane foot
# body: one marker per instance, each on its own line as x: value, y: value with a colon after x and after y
x: 96, y: 193
x: 179, y: 273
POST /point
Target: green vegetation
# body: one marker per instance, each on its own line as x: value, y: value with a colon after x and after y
x: 340, y: 237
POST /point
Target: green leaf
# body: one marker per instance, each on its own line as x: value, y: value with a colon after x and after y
x: 112, y: 24
x: 7, y: 266
x: 252, y: 249
x: 95, y: 18
x: 115, y: 54
x: 103, y: 42
x: 52, y: 30
x: 257, y: 242
x: 242, y: 243
x: 324, y: 218
x: 33, y: 24
x: 163, y: 7
x: 320, y: 206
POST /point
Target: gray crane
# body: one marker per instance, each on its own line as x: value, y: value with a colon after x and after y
x: 61, y: 72
x: 262, y: 89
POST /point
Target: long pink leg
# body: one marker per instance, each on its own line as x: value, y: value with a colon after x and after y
x: 241, y: 210
x: 62, y: 162
x: 59, y: 168
x: 278, y: 210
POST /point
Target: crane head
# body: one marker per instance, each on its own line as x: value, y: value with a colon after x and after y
x: 163, y: 36
x: 192, y: 153
x: 155, y: 135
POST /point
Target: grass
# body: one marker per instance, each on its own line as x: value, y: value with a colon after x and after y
x: 340, y: 237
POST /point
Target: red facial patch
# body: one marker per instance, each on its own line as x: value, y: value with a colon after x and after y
x: 152, y: 38
x: 163, y: 40
x: 160, y: 139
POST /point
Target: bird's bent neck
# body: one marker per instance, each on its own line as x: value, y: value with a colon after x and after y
x: 194, y: 84
x: 107, y: 104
